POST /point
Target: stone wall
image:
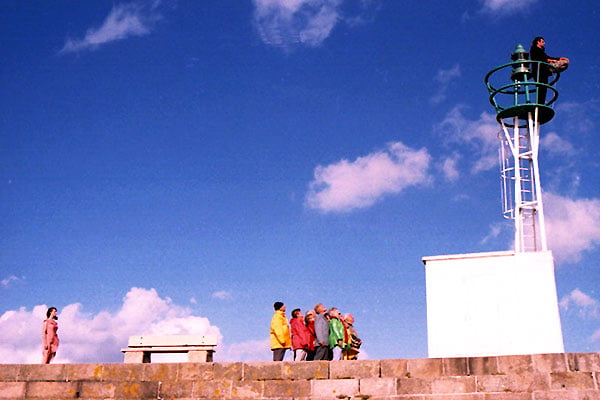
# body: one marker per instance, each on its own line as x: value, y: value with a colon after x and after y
x: 526, y: 377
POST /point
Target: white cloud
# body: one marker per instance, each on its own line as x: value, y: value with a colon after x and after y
x: 365, y: 12
x: 222, y: 295
x: 587, y: 306
x: 579, y: 299
x: 252, y: 350
x: 346, y: 185
x: 555, y: 145
x: 495, y: 230
x: 506, y: 6
x: 7, y: 281
x: 480, y: 136
x: 596, y: 336
x: 444, y: 78
x: 461, y: 197
x: 579, y: 117
x: 98, y: 337
x: 573, y: 226
x: 449, y: 167
x: 285, y: 22
x: 124, y: 21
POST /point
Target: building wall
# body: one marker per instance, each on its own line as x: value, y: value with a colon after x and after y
x: 523, y: 377
x: 489, y: 304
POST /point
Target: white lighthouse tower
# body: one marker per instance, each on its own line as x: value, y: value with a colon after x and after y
x: 502, y: 303
x: 520, y: 112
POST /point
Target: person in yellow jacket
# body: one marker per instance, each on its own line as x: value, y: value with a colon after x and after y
x: 280, y: 332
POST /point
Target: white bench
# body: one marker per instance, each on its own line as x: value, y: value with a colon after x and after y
x: 199, y: 348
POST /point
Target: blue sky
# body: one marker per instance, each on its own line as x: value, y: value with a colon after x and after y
x: 175, y: 166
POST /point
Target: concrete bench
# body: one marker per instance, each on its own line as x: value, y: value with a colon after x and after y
x: 199, y: 348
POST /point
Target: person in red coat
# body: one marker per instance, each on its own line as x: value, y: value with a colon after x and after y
x: 309, y: 321
x: 300, y: 335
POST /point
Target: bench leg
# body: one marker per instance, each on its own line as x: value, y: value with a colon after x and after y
x: 200, y: 356
x: 136, y: 357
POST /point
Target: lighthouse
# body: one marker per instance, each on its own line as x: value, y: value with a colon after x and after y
x: 520, y: 117
x: 505, y: 302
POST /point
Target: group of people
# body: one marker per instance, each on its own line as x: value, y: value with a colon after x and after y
x: 320, y: 335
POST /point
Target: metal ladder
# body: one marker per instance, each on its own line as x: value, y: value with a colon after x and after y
x: 526, y: 210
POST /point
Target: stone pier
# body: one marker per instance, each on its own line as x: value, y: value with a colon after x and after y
x: 524, y: 377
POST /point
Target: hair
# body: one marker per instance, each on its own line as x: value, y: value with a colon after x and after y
x: 50, y: 311
x: 277, y: 306
x: 536, y: 40
x: 295, y: 312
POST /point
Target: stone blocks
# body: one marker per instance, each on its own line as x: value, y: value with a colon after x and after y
x: 524, y: 383
x: 482, y: 365
x: 231, y: 371
x: 348, y: 370
x: 455, y: 366
x: 528, y: 377
x: 583, y: 362
x: 40, y: 372
x: 378, y: 386
x: 335, y: 388
x: 12, y: 390
x: 394, y: 368
x: 424, y: 367
x: 75, y: 372
x: 51, y: 390
x: 9, y: 372
x: 288, y: 389
x: 572, y: 380
x: 261, y: 371
x: 199, y: 371
x: 306, y: 370
x: 95, y: 390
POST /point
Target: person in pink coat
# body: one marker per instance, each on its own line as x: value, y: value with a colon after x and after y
x: 309, y: 321
x: 300, y: 335
x: 49, y: 336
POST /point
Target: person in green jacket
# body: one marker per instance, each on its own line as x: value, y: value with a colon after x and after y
x: 337, y: 335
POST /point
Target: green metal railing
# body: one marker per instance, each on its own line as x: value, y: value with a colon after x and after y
x: 515, y: 90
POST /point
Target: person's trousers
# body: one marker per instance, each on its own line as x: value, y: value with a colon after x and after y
x: 337, y: 353
x: 299, y: 355
x: 321, y: 353
x: 278, y: 354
